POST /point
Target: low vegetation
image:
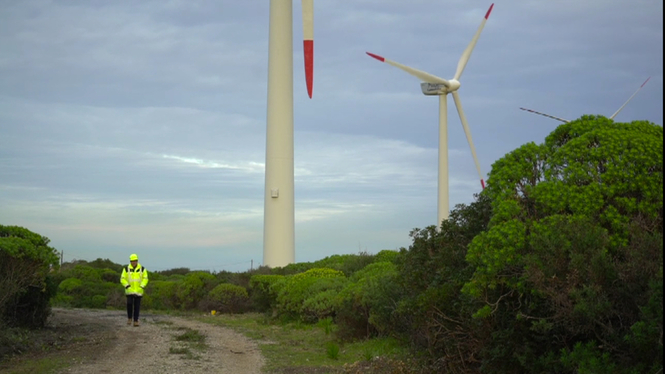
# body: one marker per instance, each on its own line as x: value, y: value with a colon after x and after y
x: 557, y: 267
x: 188, y: 344
x: 302, y: 347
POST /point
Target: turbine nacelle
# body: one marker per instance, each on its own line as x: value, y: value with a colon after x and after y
x: 437, y: 89
x: 434, y: 89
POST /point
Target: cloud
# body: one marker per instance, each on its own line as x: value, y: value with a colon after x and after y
x: 251, y: 167
x: 140, y: 126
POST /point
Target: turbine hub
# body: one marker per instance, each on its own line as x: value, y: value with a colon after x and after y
x: 454, y: 85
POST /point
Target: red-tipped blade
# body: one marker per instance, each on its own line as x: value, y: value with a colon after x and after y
x: 482, y: 182
x: 464, y: 59
x: 308, y: 42
x: 423, y: 76
x: 308, y: 48
x: 376, y: 56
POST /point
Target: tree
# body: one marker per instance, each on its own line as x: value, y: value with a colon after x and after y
x: 573, y: 219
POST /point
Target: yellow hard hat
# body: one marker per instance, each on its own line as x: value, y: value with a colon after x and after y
x: 133, y: 257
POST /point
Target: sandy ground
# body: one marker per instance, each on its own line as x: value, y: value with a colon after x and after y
x: 99, y: 341
x: 110, y: 346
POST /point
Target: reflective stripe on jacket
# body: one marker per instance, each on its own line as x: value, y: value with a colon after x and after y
x: 136, y: 278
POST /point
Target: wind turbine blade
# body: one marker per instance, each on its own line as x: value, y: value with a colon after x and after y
x: 467, y: 131
x: 425, y: 77
x: 546, y: 115
x: 469, y: 49
x: 629, y: 99
x: 308, y: 43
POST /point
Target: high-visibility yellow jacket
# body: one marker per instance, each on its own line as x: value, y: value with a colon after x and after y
x: 136, y: 278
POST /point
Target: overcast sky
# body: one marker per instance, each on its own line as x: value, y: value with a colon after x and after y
x: 139, y: 126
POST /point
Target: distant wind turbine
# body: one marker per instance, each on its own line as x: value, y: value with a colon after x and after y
x: 279, y: 211
x: 612, y: 117
x: 435, y: 86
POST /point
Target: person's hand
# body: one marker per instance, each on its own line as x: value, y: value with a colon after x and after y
x: 127, y: 286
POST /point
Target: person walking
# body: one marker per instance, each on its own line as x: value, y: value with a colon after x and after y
x: 134, y: 278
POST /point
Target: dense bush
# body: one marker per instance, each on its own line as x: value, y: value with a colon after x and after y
x: 434, y: 315
x: 321, y: 302
x: 292, y: 291
x: 33, y: 307
x: 175, y: 271
x: 193, y: 288
x: 227, y: 298
x: 387, y: 256
x: 161, y: 295
x: 77, y: 293
x: 347, y: 264
x: 366, y: 306
x: 263, y: 294
x: 25, y: 262
x: 89, y: 285
x: 105, y: 264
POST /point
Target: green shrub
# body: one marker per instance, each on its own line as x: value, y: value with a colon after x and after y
x: 106, y: 264
x: 173, y: 278
x: 25, y: 262
x: 366, y: 305
x: 116, y: 299
x: 227, y: 298
x: 161, y: 295
x: 193, y: 288
x: 587, y: 359
x: 432, y: 313
x: 332, y: 350
x: 87, y: 274
x: 263, y: 294
x: 321, y: 304
x: 291, y: 269
x: 98, y: 302
x: 70, y: 285
x: 74, y: 292
x: 176, y: 271
x: 33, y: 307
x: 293, y: 290
x: 108, y: 275
x: 347, y: 264
x: 387, y: 256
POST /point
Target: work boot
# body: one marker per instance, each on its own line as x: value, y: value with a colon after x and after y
x: 129, y: 321
x: 136, y: 323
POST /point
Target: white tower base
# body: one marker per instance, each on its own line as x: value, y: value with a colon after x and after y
x: 279, y: 216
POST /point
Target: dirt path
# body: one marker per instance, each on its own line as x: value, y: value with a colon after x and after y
x: 113, y: 347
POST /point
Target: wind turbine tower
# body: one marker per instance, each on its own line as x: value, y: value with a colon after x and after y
x: 279, y: 211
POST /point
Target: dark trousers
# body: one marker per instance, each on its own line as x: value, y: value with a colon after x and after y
x: 133, y: 307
